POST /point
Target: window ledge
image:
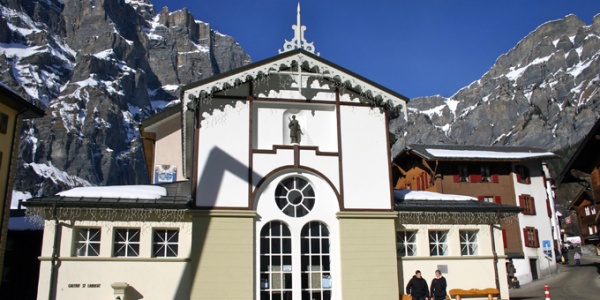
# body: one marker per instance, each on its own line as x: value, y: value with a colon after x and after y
x: 100, y: 258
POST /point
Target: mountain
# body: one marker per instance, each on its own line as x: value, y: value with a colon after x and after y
x: 544, y: 93
x: 99, y: 67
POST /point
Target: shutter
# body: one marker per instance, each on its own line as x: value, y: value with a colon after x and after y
x: 532, y: 205
x: 528, y: 179
x: 548, y: 208
x: 504, y: 239
x: 495, y: 178
x: 522, y: 203
x: 525, y: 237
x: 480, y: 198
x: 497, y: 199
x: 518, y: 176
x: 476, y: 178
x: 537, y: 238
x: 456, y: 178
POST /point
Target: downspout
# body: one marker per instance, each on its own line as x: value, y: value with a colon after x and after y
x: 51, y: 294
x: 495, y: 259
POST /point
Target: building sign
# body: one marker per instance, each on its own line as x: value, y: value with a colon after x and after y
x: 165, y: 173
x: 83, y: 285
x: 547, y: 247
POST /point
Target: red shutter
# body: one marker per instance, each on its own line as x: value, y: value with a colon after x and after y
x: 528, y: 180
x: 537, y: 238
x: 522, y: 203
x: 504, y: 240
x: 456, y: 178
x: 548, y: 208
x: 518, y: 177
x: 532, y: 205
x: 495, y: 178
x: 480, y: 198
x: 525, y: 237
x: 476, y: 178
x: 497, y: 199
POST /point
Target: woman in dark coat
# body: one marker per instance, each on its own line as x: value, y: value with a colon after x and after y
x: 417, y: 287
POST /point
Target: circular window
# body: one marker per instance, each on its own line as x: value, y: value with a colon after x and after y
x: 295, y: 197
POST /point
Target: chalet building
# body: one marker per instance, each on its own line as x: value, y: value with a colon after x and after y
x: 13, y: 110
x: 263, y: 190
x: 583, y: 170
x: 504, y: 175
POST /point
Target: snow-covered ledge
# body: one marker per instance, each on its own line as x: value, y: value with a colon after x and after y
x: 118, y: 191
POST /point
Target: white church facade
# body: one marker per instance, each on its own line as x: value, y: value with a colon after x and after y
x: 273, y: 182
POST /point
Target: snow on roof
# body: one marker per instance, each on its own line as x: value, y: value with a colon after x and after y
x: 485, y: 154
x: 121, y: 191
x: 423, y: 195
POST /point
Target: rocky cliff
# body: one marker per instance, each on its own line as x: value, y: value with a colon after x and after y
x: 544, y: 93
x: 99, y: 67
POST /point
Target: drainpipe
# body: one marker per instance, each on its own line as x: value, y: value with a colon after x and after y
x: 52, y: 293
x: 495, y: 260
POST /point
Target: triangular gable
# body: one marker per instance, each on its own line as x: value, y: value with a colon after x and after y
x: 226, y: 84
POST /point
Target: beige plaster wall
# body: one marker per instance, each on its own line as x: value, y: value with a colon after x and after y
x: 368, y: 255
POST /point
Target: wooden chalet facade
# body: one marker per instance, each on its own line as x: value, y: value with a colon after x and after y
x: 584, y: 168
x: 503, y: 175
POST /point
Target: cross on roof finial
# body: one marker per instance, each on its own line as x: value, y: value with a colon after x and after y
x: 298, y: 41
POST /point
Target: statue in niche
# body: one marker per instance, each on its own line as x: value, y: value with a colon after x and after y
x: 295, y: 131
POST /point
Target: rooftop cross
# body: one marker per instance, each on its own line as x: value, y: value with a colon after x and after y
x: 298, y: 41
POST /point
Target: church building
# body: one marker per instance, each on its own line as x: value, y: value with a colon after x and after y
x: 271, y: 181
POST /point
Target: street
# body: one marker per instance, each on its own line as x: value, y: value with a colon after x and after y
x: 571, y: 282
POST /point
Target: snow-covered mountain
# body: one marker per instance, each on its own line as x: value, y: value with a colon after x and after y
x: 99, y: 67
x: 544, y: 92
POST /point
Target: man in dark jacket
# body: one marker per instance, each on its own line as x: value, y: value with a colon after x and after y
x: 417, y: 287
x: 438, y: 286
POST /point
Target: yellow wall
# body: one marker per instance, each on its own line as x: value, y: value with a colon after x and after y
x: 223, y: 255
x: 368, y: 255
x: 6, y: 143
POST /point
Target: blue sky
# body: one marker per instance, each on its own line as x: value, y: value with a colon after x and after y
x: 416, y: 48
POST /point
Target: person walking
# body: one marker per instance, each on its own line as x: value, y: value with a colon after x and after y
x: 417, y: 287
x: 438, y: 286
x: 577, y: 258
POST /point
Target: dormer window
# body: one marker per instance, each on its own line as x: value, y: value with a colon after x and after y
x: 522, y: 173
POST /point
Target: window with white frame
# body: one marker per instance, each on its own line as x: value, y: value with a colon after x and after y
x: 165, y: 243
x: 592, y: 229
x: 587, y: 210
x: 406, y: 242
x: 127, y: 242
x: 593, y: 210
x: 88, y: 241
x: 438, y: 243
x: 275, y: 261
x: 315, y: 262
x: 295, y: 196
x: 468, y: 242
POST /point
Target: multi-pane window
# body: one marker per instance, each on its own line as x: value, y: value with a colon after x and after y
x: 3, y: 123
x: 88, y: 241
x: 468, y: 242
x: 522, y: 173
x: 127, y: 242
x: 530, y: 234
x: 527, y: 204
x: 486, y: 176
x: 587, y: 210
x: 275, y: 261
x: 463, y: 174
x: 295, y: 196
x: 592, y: 229
x: 315, y: 259
x: 165, y: 243
x: 406, y: 242
x: 438, y: 243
